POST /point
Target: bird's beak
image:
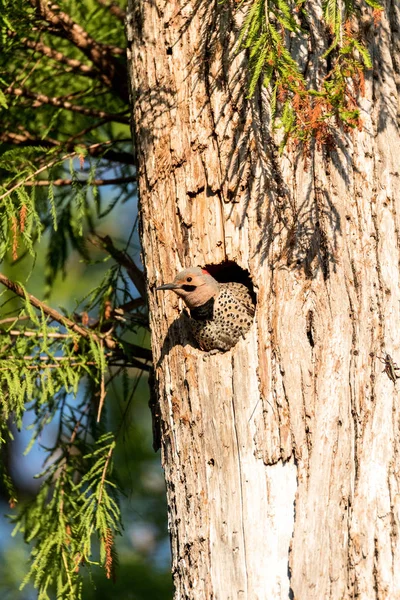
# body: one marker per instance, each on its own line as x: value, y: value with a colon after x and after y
x: 168, y: 286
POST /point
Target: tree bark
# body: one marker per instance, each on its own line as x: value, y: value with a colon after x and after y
x: 281, y: 455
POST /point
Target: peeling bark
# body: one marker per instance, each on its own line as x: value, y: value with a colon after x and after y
x: 281, y: 455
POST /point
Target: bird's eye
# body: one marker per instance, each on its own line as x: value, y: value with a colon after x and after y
x: 189, y: 279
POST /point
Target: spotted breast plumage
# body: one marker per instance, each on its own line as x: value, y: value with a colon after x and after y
x: 220, y: 313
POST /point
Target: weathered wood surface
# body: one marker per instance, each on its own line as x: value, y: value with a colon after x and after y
x: 281, y: 455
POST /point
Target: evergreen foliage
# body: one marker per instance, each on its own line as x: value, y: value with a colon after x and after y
x: 64, y: 515
x: 65, y: 134
x: 308, y: 101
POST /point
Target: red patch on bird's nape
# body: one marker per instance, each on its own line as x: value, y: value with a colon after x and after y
x: 205, y: 271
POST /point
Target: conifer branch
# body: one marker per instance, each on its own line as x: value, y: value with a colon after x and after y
x: 97, y: 182
x: 104, y: 473
x: 114, y: 73
x: 50, y: 164
x: 128, y: 306
x: 26, y: 139
x: 302, y: 112
x: 122, y: 258
x: 51, y: 312
x: 114, y: 9
x: 95, y: 150
x: 66, y: 569
x: 132, y: 351
x: 134, y: 364
x: 40, y: 99
x: 102, y: 390
x: 14, y: 319
x: 74, y: 64
x: 46, y: 358
x: 126, y: 158
x: 50, y: 334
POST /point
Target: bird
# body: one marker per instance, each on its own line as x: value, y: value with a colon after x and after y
x: 220, y: 313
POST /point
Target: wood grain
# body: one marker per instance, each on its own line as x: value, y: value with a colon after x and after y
x: 281, y: 455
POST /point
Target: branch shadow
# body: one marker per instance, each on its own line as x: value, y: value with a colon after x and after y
x: 251, y: 174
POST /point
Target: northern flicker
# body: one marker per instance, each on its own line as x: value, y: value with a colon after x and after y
x: 220, y: 313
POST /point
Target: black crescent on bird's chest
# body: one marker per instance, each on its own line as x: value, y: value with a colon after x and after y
x: 204, y: 312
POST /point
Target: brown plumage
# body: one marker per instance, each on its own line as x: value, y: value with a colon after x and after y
x: 220, y: 313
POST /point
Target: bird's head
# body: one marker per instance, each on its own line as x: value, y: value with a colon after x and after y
x: 194, y: 285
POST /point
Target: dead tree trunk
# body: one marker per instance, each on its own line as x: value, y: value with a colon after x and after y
x: 281, y: 455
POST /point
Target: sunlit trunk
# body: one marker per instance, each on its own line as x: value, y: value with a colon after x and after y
x: 281, y: 455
